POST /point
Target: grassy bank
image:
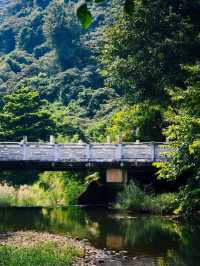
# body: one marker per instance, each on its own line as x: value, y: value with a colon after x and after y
x: 34, y: 249
x: 47, y: 254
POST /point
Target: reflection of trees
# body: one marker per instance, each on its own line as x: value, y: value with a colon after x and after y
x: 171, y: 243
x: 138, y: 235
x: 153, y: 234
x: 71, y: 220
x: 13, y: 219
x: 189, y: 247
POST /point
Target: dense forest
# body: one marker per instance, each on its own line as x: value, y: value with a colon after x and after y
x: 44, y: 48
x: 129, y: 75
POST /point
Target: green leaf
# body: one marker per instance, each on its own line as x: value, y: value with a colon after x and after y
x: 84, y: 16
x: 129, y: 6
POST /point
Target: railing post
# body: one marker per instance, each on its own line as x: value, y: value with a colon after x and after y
x: 153, y: 151
x: 25, y: 139
x: 24, y: 146
x: 55, y: 149
x: 119, y: 152
x: 87, y: 152
x: 51, y: 139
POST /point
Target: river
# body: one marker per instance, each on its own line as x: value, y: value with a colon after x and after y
x: 157, y: 240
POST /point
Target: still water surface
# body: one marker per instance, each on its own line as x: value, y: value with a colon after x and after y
x: 162, y: 241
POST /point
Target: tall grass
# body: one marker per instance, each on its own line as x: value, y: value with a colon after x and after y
x: 8, y: 195
x: 46, y: 254
x: 23, y: 196
x: 52, y: 189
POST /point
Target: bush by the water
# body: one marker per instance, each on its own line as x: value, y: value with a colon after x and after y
x: 133, y: 198
x: 166, y: 202
x: 46, y: 254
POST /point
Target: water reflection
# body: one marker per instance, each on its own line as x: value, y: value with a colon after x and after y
x: 164, y: 241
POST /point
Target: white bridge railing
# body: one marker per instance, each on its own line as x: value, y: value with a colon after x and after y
x: 49, y: 152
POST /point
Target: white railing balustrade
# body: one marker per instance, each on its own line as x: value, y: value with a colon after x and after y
x: 82, y: 152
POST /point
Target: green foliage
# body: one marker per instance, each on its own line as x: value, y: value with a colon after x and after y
x: 183, y: 130
x: 189, y: 199
x: 67, y: 129
x: 63, y: 31
x: 23, y: 114
x: 143, y: 53
x: 183, y: 134
x: 166, y: 203
x: 62, y: 188
x: 84, y: 15
x: 52, y: 189
x: 133, y: 198
x: 150, y: 55
x: 53, y: 55
x: 48, y: 254
x: 7, y: 39
x: 142, y: 121
x: 96, y: 131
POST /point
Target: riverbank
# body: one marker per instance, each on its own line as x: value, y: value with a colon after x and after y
x: 78, y: 252
x: 149, y: 239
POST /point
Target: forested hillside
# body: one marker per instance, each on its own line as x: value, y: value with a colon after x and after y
x: 44, y: 48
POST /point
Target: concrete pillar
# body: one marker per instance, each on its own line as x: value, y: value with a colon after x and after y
x: 116, y: 175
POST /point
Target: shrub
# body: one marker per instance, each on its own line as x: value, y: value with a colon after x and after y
x: 62, y: 188
x: 166, y: 202
x: 134, y: 199
x: 189, y: 199
x: 73, y: 189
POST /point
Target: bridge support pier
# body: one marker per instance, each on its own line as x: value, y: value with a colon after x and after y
x: 116, y: 175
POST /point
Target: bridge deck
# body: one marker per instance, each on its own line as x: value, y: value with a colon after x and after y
x: 45, y: 155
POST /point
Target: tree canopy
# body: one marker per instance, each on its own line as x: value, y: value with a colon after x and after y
x: 145, y: 53
x: 24, y: 114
